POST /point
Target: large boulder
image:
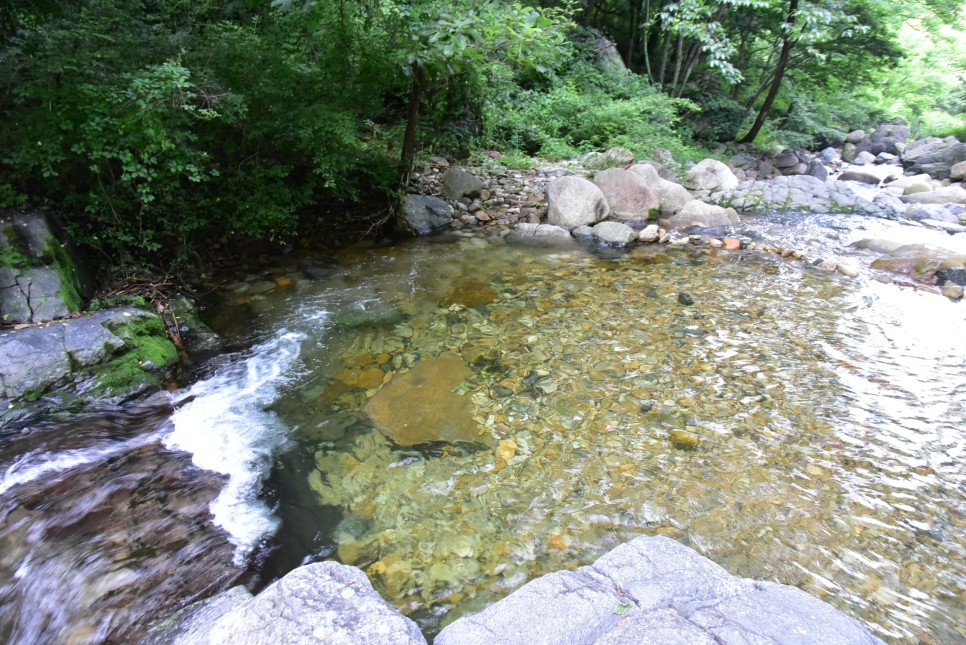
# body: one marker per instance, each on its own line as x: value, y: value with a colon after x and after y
x: 459, y: 183
x: 323, y: 602
x: 800, y: 193
x: 654, y: 590
x: 426, y: 215
x: 575, y: 201
x: 710, y: 175
x: 958, y: 171
x: 671, y: 196
x: 889, y: 138
x: 41, y: 278
x: 934, y: 156
x: 422, y: 405
x: 627, y: 194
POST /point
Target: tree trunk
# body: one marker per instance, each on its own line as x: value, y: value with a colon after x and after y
x: 588, y: 14
x: 776, y: 82
x: 663, y: 66
x: 689, y: 63
x: 677, y: 59
x: 408, y: 157
x: 646, y: 41
x: 632, y: 32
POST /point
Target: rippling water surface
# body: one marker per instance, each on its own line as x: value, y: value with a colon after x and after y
x: 827, y: 412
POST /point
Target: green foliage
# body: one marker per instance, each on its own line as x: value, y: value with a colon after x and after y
x: 581, y: 108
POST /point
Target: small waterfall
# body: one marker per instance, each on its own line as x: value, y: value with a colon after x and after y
x: 225, y: 425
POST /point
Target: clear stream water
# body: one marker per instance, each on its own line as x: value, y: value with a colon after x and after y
x: 829, y: 416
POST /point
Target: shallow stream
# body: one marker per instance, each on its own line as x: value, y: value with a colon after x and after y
x: 791, y: 424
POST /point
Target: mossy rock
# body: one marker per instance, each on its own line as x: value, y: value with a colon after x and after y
x: 147, y: 357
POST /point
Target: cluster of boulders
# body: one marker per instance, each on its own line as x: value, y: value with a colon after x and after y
x: 605, y: 199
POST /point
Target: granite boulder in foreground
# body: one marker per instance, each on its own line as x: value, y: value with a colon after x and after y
x: 650, y: 590
x: 324, y: 602
x: 656, y: 591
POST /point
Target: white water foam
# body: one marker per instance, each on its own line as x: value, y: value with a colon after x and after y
x: 34, y: 465
x: 227, y: 428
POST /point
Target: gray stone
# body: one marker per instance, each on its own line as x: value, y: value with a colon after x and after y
x: 861, y: 176
x: 191, y: 625
x: 920, y: 261
x: 945, y: 225
x: 877, y: 245
x: 88, y: 341
x: 541, y: 235
x: 947, y: 195
x: 671, y: 196
x: 654, y: 590
x: 829, y: 155
x: 885, y: 158
x: 627, y: 194
x: 797, y: 169
x: 710, y: 175
x: 615, y: 234
x: 650, y: 234
x: 323, y: 602
x: 785, y: 160
x: 864, y: 158
x: 958, y: 171
x: 817, y: 169
x: 934, y: 156
x: 905, y: 181
x: 889, y: 204
x: 37, y: 259
x: 14, y: 305
x: 936, y: 212
x: 426, y: 215
x: 43, y: 288
x: 849, y: 151
x: 574, y: 201
x: 699, y: 213
x: 855, y: 136
x: 888, y: 139
x: 583, y: 234
x: 458, y: 183
x: 801, y: 193
x: 196, y: 335
x: 32, y: 359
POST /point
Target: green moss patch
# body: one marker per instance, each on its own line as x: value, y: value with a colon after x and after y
x: 147, y: 355
x: 60, y: 261
x: 14, y: 255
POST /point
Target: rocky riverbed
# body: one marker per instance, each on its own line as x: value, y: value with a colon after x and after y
x: 776, y: 389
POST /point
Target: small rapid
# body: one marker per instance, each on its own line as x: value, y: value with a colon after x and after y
x: 225, y: 425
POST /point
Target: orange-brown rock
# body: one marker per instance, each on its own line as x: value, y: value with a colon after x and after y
x: 469, y: 293
x: 731, y: 244
x: 421, y: 405
x: 366, y: 379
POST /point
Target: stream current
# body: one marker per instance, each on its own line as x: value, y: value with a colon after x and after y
x: 824, y: 425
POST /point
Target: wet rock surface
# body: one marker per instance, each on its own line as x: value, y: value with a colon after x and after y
x: 654, y: 590
x: 105, y: 533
